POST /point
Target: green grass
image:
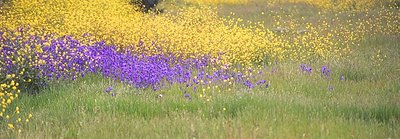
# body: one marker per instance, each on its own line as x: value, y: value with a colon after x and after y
x: 82, y: 109
x: 296, y: 105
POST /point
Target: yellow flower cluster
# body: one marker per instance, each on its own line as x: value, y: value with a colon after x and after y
x: 339, y: 5
x: 189, y: 31
x: 333, y: 34
x: 213, y: 2
x: 9, y: 91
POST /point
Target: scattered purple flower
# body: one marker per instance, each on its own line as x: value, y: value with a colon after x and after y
x: 326, y: 72
x: 305, y: 68
x: 267, y: 85
x: 261, y: 82
x: 109, y: 89
x: 187, y: 96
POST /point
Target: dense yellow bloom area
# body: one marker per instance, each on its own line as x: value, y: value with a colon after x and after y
x: 188, y: 31
x: 338, y: 5
x: 218, y: 1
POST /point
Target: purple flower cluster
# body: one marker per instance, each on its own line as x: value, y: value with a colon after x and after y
x: 67, y: 58
x: 305, y: 68
x: 249, y: 84
x: 325, y: 71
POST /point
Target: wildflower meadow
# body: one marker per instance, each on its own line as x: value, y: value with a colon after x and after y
x: 200, y: 69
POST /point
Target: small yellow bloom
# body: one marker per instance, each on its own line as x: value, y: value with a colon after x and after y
x: 11, y: 126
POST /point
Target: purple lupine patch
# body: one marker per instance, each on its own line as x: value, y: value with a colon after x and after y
x: 65, y: 58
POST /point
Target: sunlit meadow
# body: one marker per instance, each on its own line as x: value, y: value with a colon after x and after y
x: 200, y: 69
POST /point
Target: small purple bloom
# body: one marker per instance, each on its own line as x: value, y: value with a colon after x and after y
x: 323, y: 68
x: 303, y: 67
x: 261, y: 82
x: 109, y: 89
x: 325, y: 71
x: 342, y: 77
x: 266, y: 85
x: 309, y: 70
x: 187, y: 96
x: 306, y: 68
x: 248, y: 84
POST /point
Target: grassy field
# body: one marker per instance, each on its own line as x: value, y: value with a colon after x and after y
x: 365, y: 104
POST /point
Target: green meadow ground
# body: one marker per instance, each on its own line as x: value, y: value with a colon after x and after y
x: 365, y: 105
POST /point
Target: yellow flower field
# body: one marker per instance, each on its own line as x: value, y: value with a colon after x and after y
x: 190, y: 31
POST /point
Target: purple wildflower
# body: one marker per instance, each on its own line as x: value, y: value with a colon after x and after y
x: 305, y: 68
x: 266, y: 85
x: 325, y: 71
x: 261, y: 82
x: 248, y: 84
x: 109, y: 89
x: 65, y: 58
x: 187, y: 96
